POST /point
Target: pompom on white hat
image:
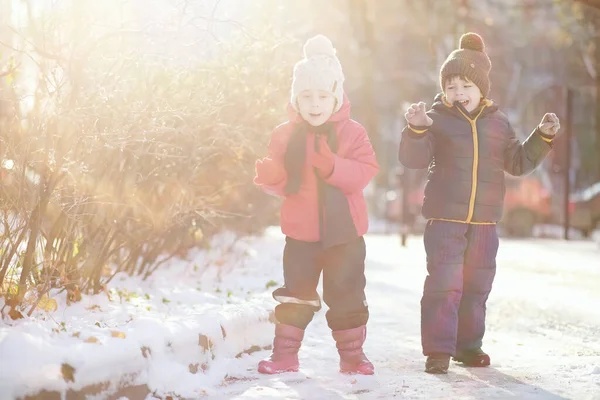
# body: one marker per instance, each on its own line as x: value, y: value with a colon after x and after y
x: 320, y: 69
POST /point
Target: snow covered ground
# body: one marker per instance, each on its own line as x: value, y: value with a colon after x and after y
x: 543, y: 330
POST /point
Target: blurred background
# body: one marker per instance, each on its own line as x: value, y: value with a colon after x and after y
x: 129, y: 128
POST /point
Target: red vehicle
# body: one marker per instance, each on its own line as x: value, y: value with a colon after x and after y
x: 526, y: 203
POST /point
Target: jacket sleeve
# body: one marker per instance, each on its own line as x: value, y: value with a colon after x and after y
x: 417, y: 146
x: 271, y: 177
x: 353, y: 173
x: 522, y: 158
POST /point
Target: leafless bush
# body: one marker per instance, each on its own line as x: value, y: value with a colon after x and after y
x: 121, y: 158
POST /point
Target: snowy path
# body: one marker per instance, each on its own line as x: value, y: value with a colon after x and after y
x: 543, y: 332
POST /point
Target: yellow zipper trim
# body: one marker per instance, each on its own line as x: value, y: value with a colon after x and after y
x: 473, y: 123
x: 418, y: 131
x: 461, y: 222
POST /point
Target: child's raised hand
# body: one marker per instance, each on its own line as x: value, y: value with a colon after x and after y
x: 416, y: 115
x: 550, y: 124
x: 324, y: 160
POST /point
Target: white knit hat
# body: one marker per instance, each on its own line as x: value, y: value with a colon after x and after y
x: 320, y: 69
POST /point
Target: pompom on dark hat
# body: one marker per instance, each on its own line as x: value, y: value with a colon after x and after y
x: 469, y: 61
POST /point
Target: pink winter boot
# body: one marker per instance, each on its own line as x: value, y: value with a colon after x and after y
x: 349, y: 343
x: 285, y: 351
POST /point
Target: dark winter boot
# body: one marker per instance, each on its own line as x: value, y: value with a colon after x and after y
x: 349, y: 343
x: 285, y: 351
x: 437, y: 363
x: 472, y: 358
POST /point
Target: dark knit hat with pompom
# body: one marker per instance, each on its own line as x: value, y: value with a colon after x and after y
x: 470, y: 61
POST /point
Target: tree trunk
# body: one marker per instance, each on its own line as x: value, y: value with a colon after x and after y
x: 597, y: 122
x: 363, y: 27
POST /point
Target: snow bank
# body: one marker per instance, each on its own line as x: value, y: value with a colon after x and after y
x: 185, y: 324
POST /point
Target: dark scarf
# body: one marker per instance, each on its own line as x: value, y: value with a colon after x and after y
x: 336, y: 225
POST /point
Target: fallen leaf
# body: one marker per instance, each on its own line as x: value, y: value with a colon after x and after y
x: 47, y: 304
x: 73, y: 295
x: 204, y: 342
x: 15, y: 314
x: 68, y: 372
x: 91, y: 339
x: 193, y: 368
x: 146, y: 351
x: 117, y: 334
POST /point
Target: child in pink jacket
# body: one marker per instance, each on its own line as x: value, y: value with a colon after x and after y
x: 319, y: 162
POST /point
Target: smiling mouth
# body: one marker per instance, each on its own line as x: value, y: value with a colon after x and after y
x: 315, y: 115
x: 464, y: 102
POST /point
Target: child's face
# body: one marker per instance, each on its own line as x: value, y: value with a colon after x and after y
x: 463, y: 91
x: 315, y: 106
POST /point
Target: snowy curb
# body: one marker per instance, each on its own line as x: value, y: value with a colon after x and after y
x: 223, y: 337
x: 181, y: 329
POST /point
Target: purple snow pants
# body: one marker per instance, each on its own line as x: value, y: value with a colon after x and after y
x: 461, y: 265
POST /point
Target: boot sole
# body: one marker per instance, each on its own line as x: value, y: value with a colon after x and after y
x: 269, y: 371
x: 484, y: 361
x: 436, y: 371
x: 355, y: 372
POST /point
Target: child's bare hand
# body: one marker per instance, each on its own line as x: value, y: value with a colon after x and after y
x: 416, y: 116
x: 550, y: 124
